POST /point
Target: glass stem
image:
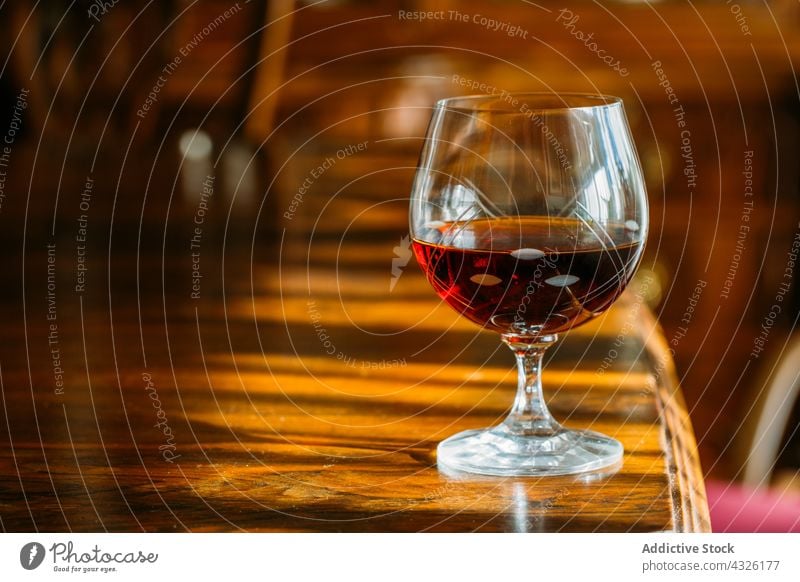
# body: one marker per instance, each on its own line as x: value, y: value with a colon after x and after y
x: 529, y: 415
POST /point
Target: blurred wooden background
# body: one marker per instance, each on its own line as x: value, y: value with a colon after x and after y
x: 278, y: 87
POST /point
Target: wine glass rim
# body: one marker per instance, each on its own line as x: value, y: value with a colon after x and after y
x: 503, y: 102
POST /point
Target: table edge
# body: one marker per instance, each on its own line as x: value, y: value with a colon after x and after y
x: 687, y: 487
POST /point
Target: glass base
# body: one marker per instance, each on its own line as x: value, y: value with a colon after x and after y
x: 498, y: 451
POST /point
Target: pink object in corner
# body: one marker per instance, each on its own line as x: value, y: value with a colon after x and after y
x: 738, y: 509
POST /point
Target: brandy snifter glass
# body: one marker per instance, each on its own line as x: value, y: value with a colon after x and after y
x: 529, y: 217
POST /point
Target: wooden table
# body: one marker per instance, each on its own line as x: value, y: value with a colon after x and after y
x: 303, y: 395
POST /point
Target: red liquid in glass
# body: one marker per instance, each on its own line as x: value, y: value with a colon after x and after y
x: 540, y: 274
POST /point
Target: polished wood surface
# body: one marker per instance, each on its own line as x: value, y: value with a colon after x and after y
x: 299, y: 394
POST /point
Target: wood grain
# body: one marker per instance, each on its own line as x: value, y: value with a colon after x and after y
x: 272, y: 429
